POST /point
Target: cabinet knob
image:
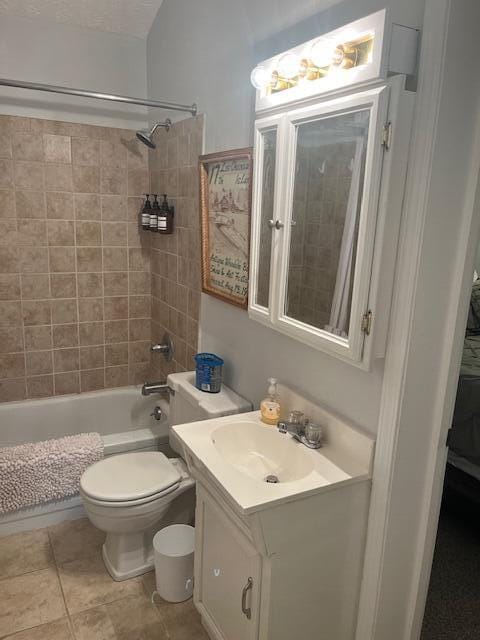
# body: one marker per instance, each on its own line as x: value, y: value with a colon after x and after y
x: 246, y: 610
x: 275, y: 224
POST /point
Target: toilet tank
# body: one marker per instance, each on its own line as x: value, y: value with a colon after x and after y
x: 189, y: 404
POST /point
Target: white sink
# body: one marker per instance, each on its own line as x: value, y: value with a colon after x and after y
x: 260, y: 452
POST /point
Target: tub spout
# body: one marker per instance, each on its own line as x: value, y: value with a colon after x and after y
x: 156, y: 387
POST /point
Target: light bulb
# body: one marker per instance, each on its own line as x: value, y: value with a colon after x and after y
x: 260, y: 77
x: 288, y: 65
x: 321, y: 52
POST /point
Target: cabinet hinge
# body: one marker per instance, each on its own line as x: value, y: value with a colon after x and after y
x: 387, y: 135
x: 367, y: 322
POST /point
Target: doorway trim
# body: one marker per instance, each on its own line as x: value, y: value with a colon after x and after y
x: 410, y: 458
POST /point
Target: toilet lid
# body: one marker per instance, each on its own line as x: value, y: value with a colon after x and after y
x: 129, y: 476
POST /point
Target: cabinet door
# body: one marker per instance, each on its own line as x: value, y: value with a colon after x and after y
x: 265, y: 217
x: 227, y: 581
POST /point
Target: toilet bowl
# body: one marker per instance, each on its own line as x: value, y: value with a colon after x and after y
x: 132, y: 496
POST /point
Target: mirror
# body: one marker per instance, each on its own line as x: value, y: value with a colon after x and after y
x: 330, y: 161
x: 269, y: 141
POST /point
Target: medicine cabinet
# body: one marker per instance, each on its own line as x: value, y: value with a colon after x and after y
x: 328, y: 188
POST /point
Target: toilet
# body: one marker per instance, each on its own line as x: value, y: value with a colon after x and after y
x: 131, y: 496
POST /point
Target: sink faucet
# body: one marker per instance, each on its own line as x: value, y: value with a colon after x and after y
x: 306, y: 432
x: 156, y: 387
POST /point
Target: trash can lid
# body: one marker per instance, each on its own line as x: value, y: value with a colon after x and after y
x: 129, y: 476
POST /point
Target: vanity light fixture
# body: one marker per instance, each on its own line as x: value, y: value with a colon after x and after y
x: 261, y: 77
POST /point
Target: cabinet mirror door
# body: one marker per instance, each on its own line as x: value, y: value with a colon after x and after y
x: 264, y: 206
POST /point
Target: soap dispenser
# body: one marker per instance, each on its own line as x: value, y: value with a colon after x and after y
x: 270, y: 406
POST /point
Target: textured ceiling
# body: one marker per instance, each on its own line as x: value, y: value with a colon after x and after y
x: 133, y: 17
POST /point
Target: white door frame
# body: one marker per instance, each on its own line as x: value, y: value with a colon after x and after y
x: 435, y: 261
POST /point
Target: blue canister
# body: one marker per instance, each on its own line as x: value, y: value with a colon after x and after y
x: 208, y: 372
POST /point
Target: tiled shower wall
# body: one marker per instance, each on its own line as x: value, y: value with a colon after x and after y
x: 176, y: 275
x: 75, y: 304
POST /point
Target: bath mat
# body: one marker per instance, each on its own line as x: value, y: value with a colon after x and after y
x: 38, y: 472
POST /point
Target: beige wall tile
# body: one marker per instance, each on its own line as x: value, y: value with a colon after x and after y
x: 116, y: 376
x: 63, y: 285
x: 138, y: 182
x: 62, y: 259
x: 88, y: 234
x: 90, y: 309
x: 113, y: 180
x: 11, y: 313
x: 28, y: 175
x: 115, y: 331
x: 92, y: 380
x: 115, y: 283
x: 61, y: 233
x: 85, y: 151
x: 57, y: 148
x: 9, y: 286
x: 66, y: 383
x: 58, y: 177
x: 64, y: 311
x: 89, y: 259
x: 113, y: 154
x: 92, y: 357
x: 27, y: 146
x: 116, y: 308
x: 91, y: 333
x: 36, y: 312
x: 139, y: 351
x: 11, y: 390
x: 38, y: 337
x: 86, y: 179
x: 115, y: 259
x: 65, y: 335
x: 40, y: 386
x: 59, y: 205
x: 12, y: 365
x: 116, y: 354
x: 139, y: 330
x: 35, y: 286
x: 138, y: 259
x: 38, y: 362
x: 114, y: 233
x: 139, y: 282
x: 114, y: 208
x: 5, y: 145
x: 7, y: 203
x: 139, y: 307
x: 87, y: 206
x: 8, y: 231
x: 89, y: 285
x: 30, y: 204
x: 31, y: 233
x: 6, y: 174
x: 66, y: 360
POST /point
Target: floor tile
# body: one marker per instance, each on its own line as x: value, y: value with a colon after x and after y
x: 30, y: 600
x: 129, y: 618
x: 75, y: 539
x: 24, y: 552
x: 181, y: 619
x: 87, y: 584
x: 58, y: 630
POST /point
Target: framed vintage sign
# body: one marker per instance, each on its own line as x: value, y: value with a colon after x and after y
x: 225, y: 204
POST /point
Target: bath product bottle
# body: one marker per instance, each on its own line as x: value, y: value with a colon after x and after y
x: 145, y: 214
x: 270, y: 406
x: 154, y: 215
x: 163, y: 215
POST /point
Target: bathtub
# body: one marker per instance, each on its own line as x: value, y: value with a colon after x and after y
x: 121, y: 416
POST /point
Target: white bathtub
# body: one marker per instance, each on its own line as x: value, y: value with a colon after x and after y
x: 121, y: 416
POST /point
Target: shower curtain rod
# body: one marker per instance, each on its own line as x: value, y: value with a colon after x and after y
x: 51, y: 88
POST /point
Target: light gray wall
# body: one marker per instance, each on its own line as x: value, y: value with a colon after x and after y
x: 41, y: 51
x: 204, y: 51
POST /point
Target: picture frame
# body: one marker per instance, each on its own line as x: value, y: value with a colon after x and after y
x: 225, y: 212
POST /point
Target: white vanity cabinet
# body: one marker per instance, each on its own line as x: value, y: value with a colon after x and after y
x: 289, y: 572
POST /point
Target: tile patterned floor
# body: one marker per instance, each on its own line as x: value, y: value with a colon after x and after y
x: 54, y: 586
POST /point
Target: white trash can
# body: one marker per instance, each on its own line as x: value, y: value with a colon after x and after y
x: 173, y: 556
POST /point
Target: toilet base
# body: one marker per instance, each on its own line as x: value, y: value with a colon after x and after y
x: 117, y: 575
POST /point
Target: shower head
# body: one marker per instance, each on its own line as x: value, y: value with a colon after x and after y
x: 146, y: 135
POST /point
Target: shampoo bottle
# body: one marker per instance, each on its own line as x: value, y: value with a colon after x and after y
x: 270, y: 406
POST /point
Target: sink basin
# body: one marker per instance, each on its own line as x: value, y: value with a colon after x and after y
x: 261, y: 452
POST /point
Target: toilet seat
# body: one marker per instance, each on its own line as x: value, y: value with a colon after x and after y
x: 130, y: 479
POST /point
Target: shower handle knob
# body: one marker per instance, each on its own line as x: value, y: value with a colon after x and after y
x: 275, y: 224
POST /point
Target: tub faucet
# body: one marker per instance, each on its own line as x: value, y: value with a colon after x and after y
x: 156, y: 387
x: 302, y: 429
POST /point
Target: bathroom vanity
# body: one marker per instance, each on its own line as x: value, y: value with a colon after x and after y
x: 276, y: 561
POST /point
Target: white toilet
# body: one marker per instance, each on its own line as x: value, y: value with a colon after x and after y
x: 131, y: 496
